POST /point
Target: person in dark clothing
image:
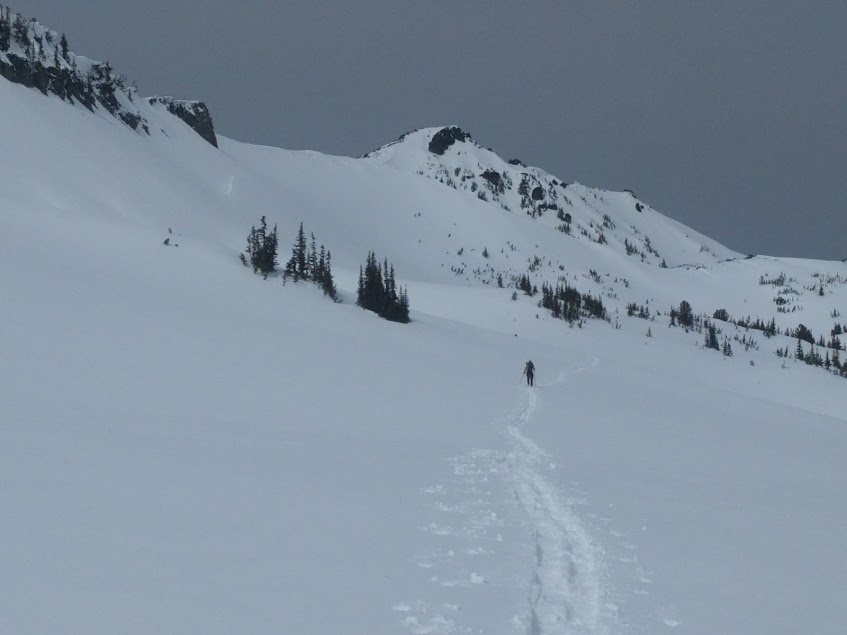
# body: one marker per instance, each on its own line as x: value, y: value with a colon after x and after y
x: 529, y: 371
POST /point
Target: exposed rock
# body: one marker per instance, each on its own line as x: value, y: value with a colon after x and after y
x: 493, y: 177
x: 193, y: 113
x: 38, y: 58
x: 445, y: 138
x: 49, y: 80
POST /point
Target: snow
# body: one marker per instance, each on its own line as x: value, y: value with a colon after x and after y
x: 185, y: 447
x: 590, y: 209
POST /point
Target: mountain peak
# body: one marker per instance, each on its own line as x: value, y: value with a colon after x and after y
x: 616, y: 220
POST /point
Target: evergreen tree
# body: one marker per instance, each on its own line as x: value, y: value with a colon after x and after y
x: 686, y: 315
x: 798, y: 353
x: 297, y: 265
x: 403, y: 311
x: 302, y: 254
x: 524, y: 284
x: 312, y: 264
x: 307, y: 263
x: 378, y: 291
x: 262, y: 248
x: 327, y: 283
x: 63, y: 43
x: 5, y: 31
x: 712, y: 337
x: 804, y: 333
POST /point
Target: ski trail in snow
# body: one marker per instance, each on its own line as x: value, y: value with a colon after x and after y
x: 566, y: 592
x: 462, y: 542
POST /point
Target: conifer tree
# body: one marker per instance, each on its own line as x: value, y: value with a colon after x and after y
x: 5, y: 31
x: 321, y: 264
x: 312, y: 264
x: 63, y: 43
x: 378, y: 292
x: 712, y: 337
x: 262, y: 248
x: 686, y: 315
x: 327, y: 282
x: 297, y: 265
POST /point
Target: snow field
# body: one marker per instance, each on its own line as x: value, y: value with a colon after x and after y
x: 185, y: 447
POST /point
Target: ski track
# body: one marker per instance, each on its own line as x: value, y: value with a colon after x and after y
x: 565, y: 593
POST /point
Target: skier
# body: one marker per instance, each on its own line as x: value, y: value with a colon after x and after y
x: 529, y: 371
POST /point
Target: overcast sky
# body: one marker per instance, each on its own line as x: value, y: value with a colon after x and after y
x: 730, y: 117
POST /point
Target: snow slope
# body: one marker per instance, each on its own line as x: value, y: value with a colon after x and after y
x: 186, y: 447
x: 616, y: 219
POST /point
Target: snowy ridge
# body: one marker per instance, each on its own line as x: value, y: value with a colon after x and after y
x: 618, y: 219
x: 38, y: 57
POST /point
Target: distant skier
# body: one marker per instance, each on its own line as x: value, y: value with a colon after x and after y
x: 529, y: 371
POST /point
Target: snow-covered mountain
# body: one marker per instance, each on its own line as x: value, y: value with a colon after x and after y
x: 187, y: 447
x: 451, y: 156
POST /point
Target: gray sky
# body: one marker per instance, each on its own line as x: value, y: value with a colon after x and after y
x: 730, y: 117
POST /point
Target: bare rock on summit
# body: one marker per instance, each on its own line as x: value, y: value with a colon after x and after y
x: 445, y: 138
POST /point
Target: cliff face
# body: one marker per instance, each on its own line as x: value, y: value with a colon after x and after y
x: 194, y: 113
x: 36, y: 57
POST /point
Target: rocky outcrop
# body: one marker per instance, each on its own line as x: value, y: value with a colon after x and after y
x: 193, y: 113
x: 36, y: 57
x: 445, y: 138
